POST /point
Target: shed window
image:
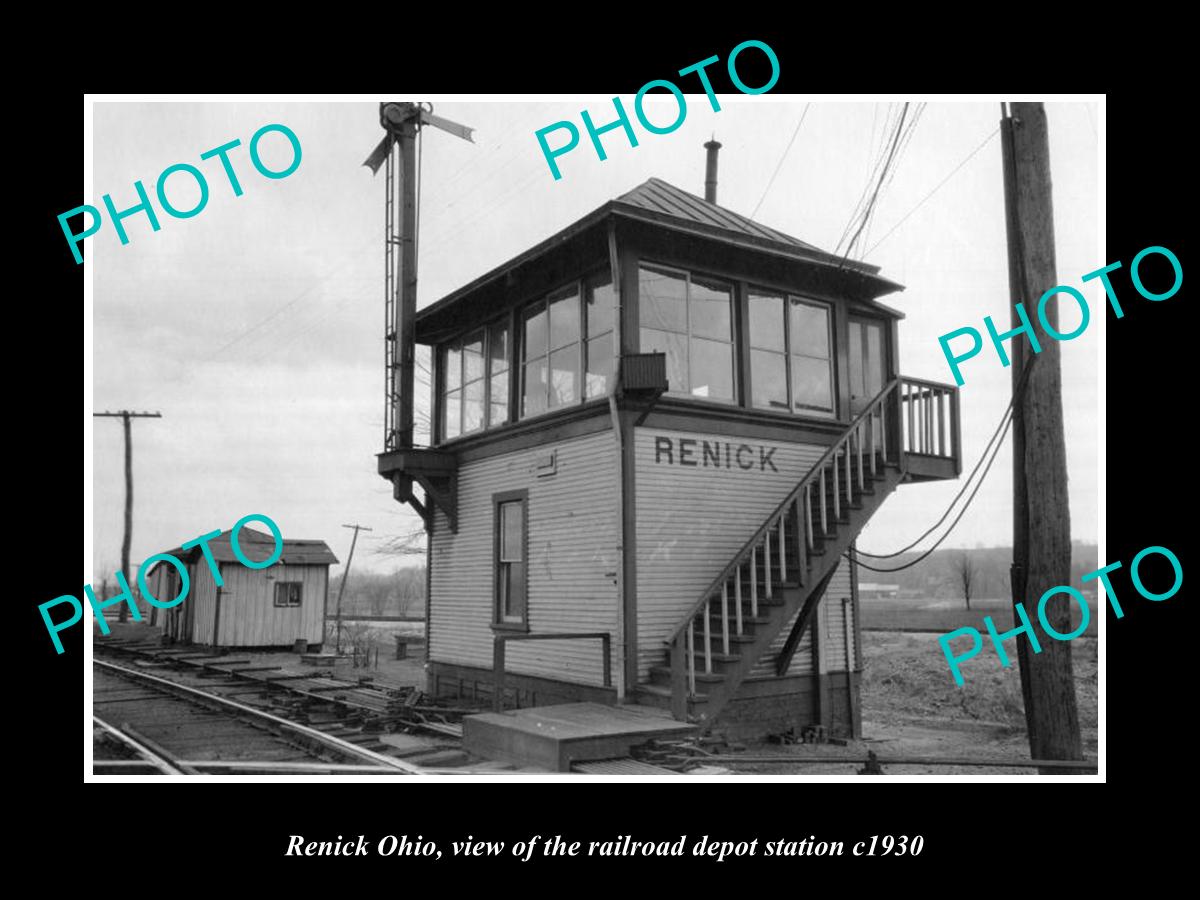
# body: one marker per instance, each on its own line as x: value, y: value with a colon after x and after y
x: 791, y: 355
x: 288, y: 593
x: 690, y: 319
x: 510, y: 538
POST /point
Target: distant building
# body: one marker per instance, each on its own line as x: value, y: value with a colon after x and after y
x: 271, y: 607
x: 870, y: 590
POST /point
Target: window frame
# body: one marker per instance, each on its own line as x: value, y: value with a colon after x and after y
x: 290, y: 583
x: 735, y: 399
x: 442, y: 394
x: 542, y: 304
x: 499, y: 500
x: 790, y: 297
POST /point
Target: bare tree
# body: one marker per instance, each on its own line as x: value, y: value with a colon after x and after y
x: 966, y: 574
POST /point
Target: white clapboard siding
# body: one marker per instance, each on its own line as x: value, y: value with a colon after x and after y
x: 572, y: 560
x: 249, y: 617
x: 691, y: 520
x: 203, y: 595
x: 835, y: 638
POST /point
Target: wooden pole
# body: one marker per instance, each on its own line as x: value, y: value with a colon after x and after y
x: 125, y: 415
x: 406, y: 309
x: 1041, y: 517
x: 345, y: 577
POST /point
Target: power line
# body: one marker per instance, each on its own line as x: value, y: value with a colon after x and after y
x: 803, y: 115
x: 882, y: 175
x: 904, y: 142
x: 940, y: 184
x: 966, y: 484
x: 908, y: 565
x: 880, y: 151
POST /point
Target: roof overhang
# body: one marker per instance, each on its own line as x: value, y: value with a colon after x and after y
x: 474, y: 302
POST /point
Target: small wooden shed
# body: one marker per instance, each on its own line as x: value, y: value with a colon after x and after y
x: 271, y: 607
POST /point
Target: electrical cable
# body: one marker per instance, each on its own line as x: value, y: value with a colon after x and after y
x: 966, y: 484
x: 1020, y: 390
x: 940, y: 184
x: 862, y: 197
x: 767, y: 190
x: 878, y: 186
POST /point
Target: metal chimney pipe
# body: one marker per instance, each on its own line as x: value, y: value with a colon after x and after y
x: 710, y: 171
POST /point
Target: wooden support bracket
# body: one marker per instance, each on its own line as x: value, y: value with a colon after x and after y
x: 797, y: 633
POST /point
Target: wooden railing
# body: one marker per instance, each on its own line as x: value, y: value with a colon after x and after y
x: 498, y: 655
x: 901, y: 418
x: 930, y: 418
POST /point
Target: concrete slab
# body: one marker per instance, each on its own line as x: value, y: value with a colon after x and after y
x: 554, y: 737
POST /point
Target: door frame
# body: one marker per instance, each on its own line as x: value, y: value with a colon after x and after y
x: 885, y: 373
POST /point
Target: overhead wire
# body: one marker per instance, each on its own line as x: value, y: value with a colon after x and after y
x: 904, y: 142
x: 861, y: 218
x: 971, y: 477
x: 939, y: 186
x: 1008, y: 418
x: 862, y: 197
x: 786, y: 149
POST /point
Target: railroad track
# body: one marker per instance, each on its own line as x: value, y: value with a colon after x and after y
x: 144, y: 724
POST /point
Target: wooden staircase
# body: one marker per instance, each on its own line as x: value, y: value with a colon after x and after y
x: 784, y: 568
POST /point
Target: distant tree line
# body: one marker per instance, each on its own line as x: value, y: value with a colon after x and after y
x: 397, y: 593
x: 944, y: 573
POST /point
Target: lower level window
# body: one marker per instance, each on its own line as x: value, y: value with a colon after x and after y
x: 287, y: 593
x: 510, y: 528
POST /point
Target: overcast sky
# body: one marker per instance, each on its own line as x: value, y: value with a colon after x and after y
x: 256, y: 326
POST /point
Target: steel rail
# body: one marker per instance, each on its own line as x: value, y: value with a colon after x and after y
x: 147, y: 755
x: 344, y: 747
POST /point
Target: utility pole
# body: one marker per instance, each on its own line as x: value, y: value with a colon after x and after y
x: 345, y: 577
x: 125, y: 416
x: 1041, y: 516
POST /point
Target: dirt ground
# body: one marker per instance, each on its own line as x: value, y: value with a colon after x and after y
x: 912, y: 708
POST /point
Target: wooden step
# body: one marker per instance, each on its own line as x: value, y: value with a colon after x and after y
x: 661, y: 676
x: 660, y: 695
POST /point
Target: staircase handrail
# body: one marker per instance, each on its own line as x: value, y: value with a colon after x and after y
x: 792, y: 497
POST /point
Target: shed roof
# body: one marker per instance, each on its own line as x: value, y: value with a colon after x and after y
x: 258, y: 546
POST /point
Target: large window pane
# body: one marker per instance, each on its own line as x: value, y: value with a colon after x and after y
x: 811, y: 385
x: 874, y: 359
x: 452, y: 369
x: 512, y: 532
x: 514, y: 592
x: 498, y: 407
x: 473, y: 407
x: 564, y: 376
x: 564, y: 318
x: 810, y: 329
x: 535, y: 334
x: 858, y: 385
x: 601, y: 301
x: 498, y: 347
x: 599, y: 365
x: 766, y: 322
x: 675, y: 347
x: 709, y: 310
x: 451, y: 417
x: 534, y: 393
x: 712, y: 369
x: 473, y: 357
x: 768, y: 375
x: 662, y: 300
